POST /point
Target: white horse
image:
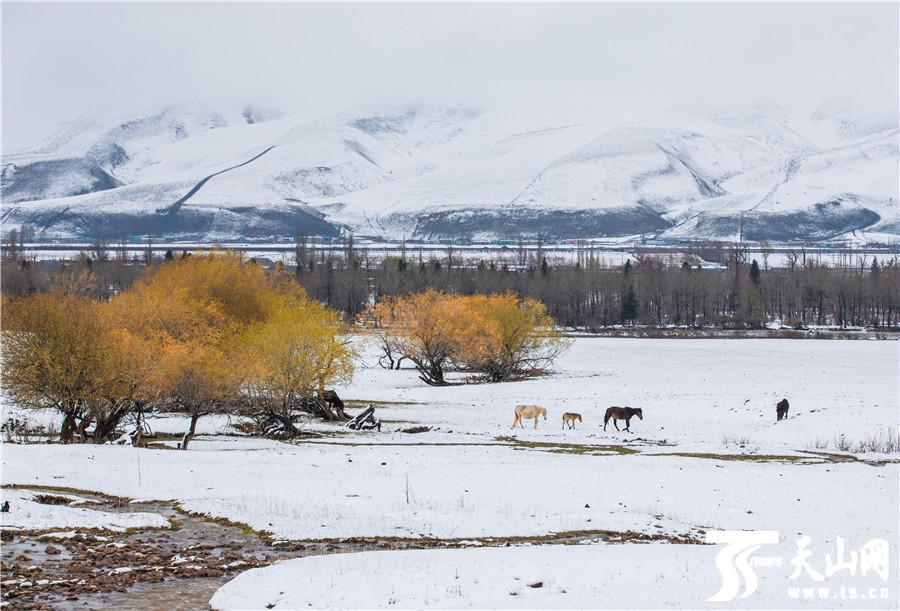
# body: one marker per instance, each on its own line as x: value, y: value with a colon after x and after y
x: 528, y: 412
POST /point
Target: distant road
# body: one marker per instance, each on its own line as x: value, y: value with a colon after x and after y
x: 174, y: 208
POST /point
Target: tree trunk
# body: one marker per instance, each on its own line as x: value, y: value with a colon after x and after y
x: 139, y: 427
x: 81, y: 427
x: 190, y: 434
x: 105, y: 427
x: 68, y: 428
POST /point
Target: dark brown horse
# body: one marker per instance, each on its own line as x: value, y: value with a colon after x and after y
x: 781, y: 409
x: 622, y: 413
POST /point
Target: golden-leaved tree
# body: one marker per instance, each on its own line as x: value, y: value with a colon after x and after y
x: 424, y: 327
x: 220, y: 326
x: 508, y: 338
x: 190, y: 311
x: 60, y: 351
x: 494, y: 337
x: 296, y: 352
x: 203, y: 334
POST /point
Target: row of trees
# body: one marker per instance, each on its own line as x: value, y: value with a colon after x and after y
x: 591, y: 294
x: 585, y: 294
x: 201, y: 335
x: 493, y: 338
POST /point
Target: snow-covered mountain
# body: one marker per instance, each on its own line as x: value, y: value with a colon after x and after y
x: 448, y: 172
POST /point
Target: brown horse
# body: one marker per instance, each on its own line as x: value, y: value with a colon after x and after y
x: 622, y: 413
x: 781, y: 409
x: 527, y: 412
x: 570, y: 418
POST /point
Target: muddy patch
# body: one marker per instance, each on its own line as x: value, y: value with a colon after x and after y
x: 569, y: 448
x: 90, y: 568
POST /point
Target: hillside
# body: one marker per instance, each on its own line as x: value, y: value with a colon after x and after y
x: 449, y: 172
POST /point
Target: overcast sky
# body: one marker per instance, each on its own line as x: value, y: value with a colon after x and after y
x: 63, y: 60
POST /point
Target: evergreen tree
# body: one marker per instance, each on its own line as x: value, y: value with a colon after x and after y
x: 629, y: 305
x: 754, y: 272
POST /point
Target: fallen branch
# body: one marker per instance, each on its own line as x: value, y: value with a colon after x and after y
x: 366, y: 420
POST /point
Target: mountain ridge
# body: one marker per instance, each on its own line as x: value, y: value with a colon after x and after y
x: 450, y: 172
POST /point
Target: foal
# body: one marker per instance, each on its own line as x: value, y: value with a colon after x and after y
x: 570, y: 418
x: 622, y: 413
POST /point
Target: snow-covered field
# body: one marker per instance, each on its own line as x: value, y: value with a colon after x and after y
x: 708, y: 455
x: 28, y: 514
x: 541, y: 577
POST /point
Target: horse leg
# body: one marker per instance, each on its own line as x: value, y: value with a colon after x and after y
x: 535, y: 421
x: 628, y: 424
x: 616, y: 423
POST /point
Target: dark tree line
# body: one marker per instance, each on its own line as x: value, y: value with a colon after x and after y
x: 688, y: 290
x: 590, y: 294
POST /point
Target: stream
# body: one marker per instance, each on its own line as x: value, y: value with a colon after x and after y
x: 178, y: 568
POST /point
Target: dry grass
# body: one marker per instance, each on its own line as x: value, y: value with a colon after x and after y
x: 882, y: 442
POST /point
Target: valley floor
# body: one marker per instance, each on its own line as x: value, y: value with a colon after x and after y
x: 708, y: 455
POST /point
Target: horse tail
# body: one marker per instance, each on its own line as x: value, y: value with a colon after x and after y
x: 607, y: 415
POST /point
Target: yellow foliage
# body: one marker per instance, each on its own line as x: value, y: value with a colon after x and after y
x: 296, y: 351
x: 61, y: 351
x: 514, y: 338
x: 496, y: 336
x: 50, y: 353
x: 198, y: 334
x: 226, y: 328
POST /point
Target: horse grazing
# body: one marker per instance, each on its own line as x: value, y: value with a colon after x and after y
x: 622, y: 413
x: 781, y: 409
x: 570, y: 418
x: 527, y: 412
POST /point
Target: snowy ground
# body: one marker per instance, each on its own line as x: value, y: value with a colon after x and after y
x: 707, y: 455
x: 544, y: 577
x: 28, y: 514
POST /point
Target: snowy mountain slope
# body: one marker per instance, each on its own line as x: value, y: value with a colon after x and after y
x: 451, y: 171
x: 813, y: 196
